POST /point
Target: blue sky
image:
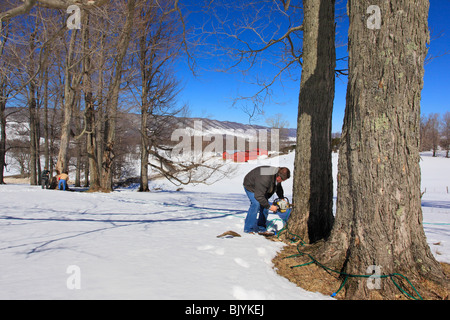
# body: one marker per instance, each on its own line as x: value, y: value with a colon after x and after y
x: 211, y: 93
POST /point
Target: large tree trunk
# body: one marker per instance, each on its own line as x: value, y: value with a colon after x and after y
x: 46, y: 124
x: 70, y: 80
x: 312, y: 217
x: 93, y: 181
x: 32, y: 107
x: 91, y: 143
x: 144, y: 151
x: 145, y: 74
x: 2, y: 133
x: 113, y: 101
x: 33, y: 125
x: 92, y: 129
x: 379, y: 215
x: 3, y: 100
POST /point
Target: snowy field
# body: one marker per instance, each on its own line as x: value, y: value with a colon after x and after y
x: 162, y: 244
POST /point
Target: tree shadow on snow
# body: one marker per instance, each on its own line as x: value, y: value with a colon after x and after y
x: 436, y: 204
x: 40, y: 246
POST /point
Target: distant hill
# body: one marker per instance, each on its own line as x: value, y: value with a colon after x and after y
x: 17, y: 125
x: 211, y: 126
x: 128, y: 136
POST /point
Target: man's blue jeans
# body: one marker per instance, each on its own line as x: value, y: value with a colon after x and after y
x: 253, y: 223
x: 63, y: 184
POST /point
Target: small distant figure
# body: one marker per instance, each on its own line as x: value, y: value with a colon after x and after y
x: 63, y: 179
x: 45, y: 178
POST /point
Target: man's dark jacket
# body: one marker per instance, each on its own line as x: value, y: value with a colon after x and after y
x: 262, y: 182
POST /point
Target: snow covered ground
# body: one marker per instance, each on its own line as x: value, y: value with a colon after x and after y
x: 162, y: 244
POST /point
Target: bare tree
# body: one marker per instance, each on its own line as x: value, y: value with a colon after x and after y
x: 445, y: 135
x: 33, y: 104
x: 429, y: 132
x: 277, y: 122
x: 242, y: 36
x: 158, y: 44
x: 16, y: 10
x: 72, y: 78
x: 5, y: 72
x: 93, y: 63
x: 112, y: 99
x: 2, y: 128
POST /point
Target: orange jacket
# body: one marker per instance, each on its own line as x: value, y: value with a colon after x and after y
x: 63, y: 176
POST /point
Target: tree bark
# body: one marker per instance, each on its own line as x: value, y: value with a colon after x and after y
x: 312, y: 217
x: 3, y: 100
x: 70, y: 80
x: 379, y: 216
x: 4, y: 84
x: 144, y: 152
x: 145, y: 71
x: 113, y: 100
x: 32, y: 107
x: 93, y: 181
x: 46, y: 124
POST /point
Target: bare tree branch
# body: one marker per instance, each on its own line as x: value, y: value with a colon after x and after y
x: 252, y: 33
x: 53, y: 4
x: 24, y: 8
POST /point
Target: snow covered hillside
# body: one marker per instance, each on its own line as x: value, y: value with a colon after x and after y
x: 162, y: 244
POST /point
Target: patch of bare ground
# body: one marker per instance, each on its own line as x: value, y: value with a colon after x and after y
x: 16, y: 180
x: 314, y: 278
